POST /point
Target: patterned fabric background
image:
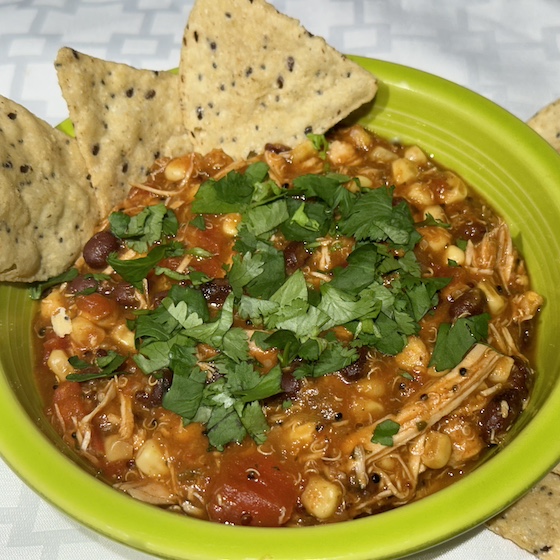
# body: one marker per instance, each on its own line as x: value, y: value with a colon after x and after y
x: 507, y: 50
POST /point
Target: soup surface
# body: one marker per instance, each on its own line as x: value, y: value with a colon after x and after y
x: 310, y: 336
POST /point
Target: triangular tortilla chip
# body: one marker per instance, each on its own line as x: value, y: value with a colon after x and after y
x: 547, y: 123
x: 250, y: 75
x: 124, y: 118
x: 532, y: 522
x: 47, y: 205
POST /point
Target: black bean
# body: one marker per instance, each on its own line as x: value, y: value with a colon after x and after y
x: 124, y: 294
x: 157, y: 298
x: 216, y: 291
x: 295, y: 255
x: 472, y: 229
x: 98, y: 248
x: 161, y: 387
x: 468, y: 304
x: 81, y: 284
x: 520, y: 378
x: 498, y: 416
x: 276, y: 148
x: 358, y: 369
x: 290, y: 385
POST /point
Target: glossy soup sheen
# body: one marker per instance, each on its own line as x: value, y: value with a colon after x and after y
x: 354, y: 419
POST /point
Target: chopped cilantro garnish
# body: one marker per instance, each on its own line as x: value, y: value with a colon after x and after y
x: 455, y: 340
x: 374, y: 217
x: 37, y: 290
x: 384, y: 432
x: 146, y: 228
x: 320, y: 143
x: 379, y: 295
x: 101, y: 367
x: 134, y: 271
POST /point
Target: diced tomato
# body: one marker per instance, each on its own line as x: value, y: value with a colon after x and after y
x: 54, y: 342
x: 252, y: 489
x: 214, y: 240
x: 72, y: 405
x: 96, y: 306
x: 70, y: 401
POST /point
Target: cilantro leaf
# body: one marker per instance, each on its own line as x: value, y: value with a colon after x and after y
x: 361, y: 271
x: 255, y: 309
x: 254, y: 421
x: 156, y: 355
x: 134, y: 271
x: 374, y: 217
x: 145, y: 228
x: 247, y: 385
x: 102, y: 367
x: 455, y: 340
x: 341, y: 308
x: 384, y: 432
x: 235, y: 344
x: 37, y: 290
x: 244, y: 269
x: 213, y: 332
x: 307, y: 222
x: 185, y: 394
x: 261, y: 219
x: 320, y: 143
x: 329, y: 188
x: 232, y: 193
x: 272, y: 275
x: 224, y: 426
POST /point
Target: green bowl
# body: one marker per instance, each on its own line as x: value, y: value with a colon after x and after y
x: 519, y: 174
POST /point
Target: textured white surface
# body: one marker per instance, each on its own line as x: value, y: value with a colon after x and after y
x: 507, y: 50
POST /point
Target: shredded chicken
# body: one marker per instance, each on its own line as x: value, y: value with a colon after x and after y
x: 440, y: 397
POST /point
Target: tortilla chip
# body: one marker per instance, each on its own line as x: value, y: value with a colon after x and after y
x: 251, y: 75
x: 547, y: 123
x: 47, y: 204
x: 532, y: 523
x: 124, y: 118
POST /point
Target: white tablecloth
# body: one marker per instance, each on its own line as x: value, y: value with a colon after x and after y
x: 507, y: 50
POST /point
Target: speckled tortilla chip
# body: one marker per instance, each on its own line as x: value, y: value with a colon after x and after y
x: 47, y: 205
x: 547, y: 123
x: 533, y: 522
x: 124, y: 118
x: 251, y: 75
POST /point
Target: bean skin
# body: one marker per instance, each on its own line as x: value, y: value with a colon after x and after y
x: 358, y: 369
x: 216, y: 291
x: 124, y: 294
x: 472, y: 229
x: 520, y: 378
x: 276, y: 148
x: 499, y: 415
x: 81, y: 284
x: 468, y: 304
x: 290, y: 385
x: 98, y: 248
x: 295, y: 255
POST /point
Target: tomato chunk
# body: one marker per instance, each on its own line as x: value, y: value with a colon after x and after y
x: 70, y: 401
x: 252, y: 489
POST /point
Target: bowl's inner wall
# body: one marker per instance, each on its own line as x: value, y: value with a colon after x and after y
x: 504, y: 161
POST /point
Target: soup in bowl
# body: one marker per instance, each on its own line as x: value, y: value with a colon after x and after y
x: 510, y: 167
